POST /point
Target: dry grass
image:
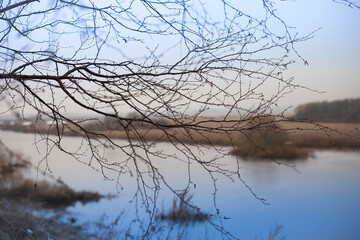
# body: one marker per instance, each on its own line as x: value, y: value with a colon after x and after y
x: 50, y: 195
x: 174, y: 135
x: 18, y: 198
x: 18, y: 222
x: 13, y: 186
x: 324, y: 135
x: 300, y: 134
x: 182, y: 212
x: 298, y: 140
x: 275, y: 153
x: 288, y: 140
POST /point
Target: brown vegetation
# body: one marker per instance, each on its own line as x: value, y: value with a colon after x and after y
x: 297, y: 140
x: 277, y: 139
x: 18, y: 222
x: 50, y: 195
x: 324, y: 135
x: 265, y: 139
x: 183, y: 212
x: 13, y: 186
x: 18, y: 198
x: 276, y: 133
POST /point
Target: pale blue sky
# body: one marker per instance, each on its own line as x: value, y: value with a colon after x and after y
x: 333, y: 54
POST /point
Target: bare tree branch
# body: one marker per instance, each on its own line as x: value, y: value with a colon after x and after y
x: 148, y: 71
x: 5, y: 9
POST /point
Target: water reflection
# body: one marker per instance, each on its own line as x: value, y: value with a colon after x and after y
x: 318, y: 202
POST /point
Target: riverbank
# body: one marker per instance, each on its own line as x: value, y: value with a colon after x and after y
x: 18, y: 221
x: 22, y: 200
x: 279, y: 140
x: 294, y: 140
x: 271, y: 139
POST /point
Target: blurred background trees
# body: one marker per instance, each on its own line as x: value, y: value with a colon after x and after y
x: 346, y: 111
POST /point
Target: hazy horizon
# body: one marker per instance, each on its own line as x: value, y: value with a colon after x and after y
x: 333, y: 54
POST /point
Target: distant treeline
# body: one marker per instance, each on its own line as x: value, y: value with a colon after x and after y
x: 347, y: 111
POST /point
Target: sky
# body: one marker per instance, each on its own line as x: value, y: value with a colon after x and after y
x: 333, y: 54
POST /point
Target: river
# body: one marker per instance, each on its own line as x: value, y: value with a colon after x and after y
x: 318, y: 201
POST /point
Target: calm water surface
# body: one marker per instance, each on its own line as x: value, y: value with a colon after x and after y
x: 320, y: 202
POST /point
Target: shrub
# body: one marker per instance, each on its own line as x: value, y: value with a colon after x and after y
x: 51, y: 195
x: 182, y: 211
x: 263, y: 138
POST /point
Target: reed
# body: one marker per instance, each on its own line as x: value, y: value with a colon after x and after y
x: 17, y: 221
x: 182, y: 211
x: 50, y: 195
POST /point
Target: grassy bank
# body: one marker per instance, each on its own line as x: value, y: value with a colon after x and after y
x: 49, y: 195
x: 247, y: 142
x: 292, y: 140
x: 282, y: 140
x: 17, y: 222
x: 324, y: 135
x: 20, y: 198
x: 350, y: 132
